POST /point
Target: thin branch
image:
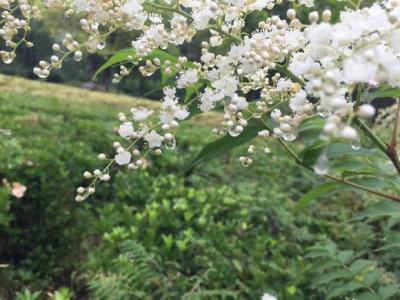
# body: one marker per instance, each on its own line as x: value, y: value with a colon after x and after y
x: 300, y: 162
x: 393, y: 143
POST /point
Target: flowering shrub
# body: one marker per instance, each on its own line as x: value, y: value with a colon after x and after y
x: 269, y: 82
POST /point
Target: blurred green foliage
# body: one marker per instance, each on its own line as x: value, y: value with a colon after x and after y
x: 218, y: 232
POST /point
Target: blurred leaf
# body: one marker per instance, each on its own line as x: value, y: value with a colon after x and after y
x: 338, y: 150
x: 389, y: 290
x: 383, y: 208
x: 360, y: 265
x: 329, y: 187
x: 373, y: 276
x: 315, y: 193
x: 331, y: 276
x: 368, y: 296
x: 345, y: 289
x: 311, y: 154
x: 383, y: 92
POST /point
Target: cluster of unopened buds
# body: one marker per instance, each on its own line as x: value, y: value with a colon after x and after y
x: 14, y: 28
x: 293, y: 70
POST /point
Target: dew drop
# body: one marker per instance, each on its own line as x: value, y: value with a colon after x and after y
x: 246, y: 162
x: 356, y: 144
x: 170, y: 144
x: 321, y: 167
x: 290, y: 136
x: 101, y: 44
x: 232, y: 132
x: 257, y: 115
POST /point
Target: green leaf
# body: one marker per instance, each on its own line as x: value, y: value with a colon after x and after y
x: 389, y: 246
x: 227, y: 143
x: 383, y: 92
x: 119, y: 57
x: 360, y: 265
x: 368, y: 296
x: 311, y: 153
x: 383, y: 208
x: 319, y: 191
x: 237, y: 264
x: 329, y: 187
x: 345, y: 289
x: 373, y: 276
x: 322, y: 266
x: 389, y: 290
x: 345, y: 256
x: 331, y: 276
x: 339, y: 150
x: 318, y: 253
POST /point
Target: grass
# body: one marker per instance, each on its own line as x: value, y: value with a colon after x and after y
x: 77, y: 96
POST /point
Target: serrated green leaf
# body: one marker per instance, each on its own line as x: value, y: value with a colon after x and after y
x: 227, y: 143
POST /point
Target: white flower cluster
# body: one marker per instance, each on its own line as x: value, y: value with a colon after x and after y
x: 291, y: 70
x: 14, y: 28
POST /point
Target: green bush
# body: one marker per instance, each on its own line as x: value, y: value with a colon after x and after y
x: 215, y: 232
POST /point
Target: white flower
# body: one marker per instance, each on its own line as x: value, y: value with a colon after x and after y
x: 268, y: 297
x: 123, y: 158
x: 126, y: 130
x: 240, y: 102
x: 180, y: 113
x: 141, y: 113
x: 187, y: 78
x: 154, y: 139
x: 308, y: 3
x: 299, y: 102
